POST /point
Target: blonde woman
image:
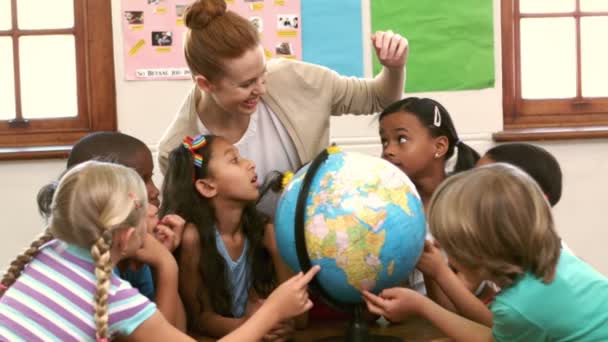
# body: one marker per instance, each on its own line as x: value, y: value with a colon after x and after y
x: 495, y: 224
x: 63, y: 287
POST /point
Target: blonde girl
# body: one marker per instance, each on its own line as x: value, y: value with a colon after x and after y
x: 63, y: 286
x: 495, y: 224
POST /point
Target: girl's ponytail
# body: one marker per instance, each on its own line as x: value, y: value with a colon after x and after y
x: 467, y: 157
x: 103, y: 272
x: 45, y: 198
x: 17, y: 265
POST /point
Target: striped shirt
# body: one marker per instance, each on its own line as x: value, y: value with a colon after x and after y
x: 53, y: 300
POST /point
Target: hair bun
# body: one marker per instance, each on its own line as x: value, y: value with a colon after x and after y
x: 201, y: 12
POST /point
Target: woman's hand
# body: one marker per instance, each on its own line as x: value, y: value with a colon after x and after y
x: 392, y: 49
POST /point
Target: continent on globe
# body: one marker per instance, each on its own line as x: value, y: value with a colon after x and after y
x: 363, y: 223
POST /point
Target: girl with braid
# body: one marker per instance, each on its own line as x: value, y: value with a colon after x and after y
x: 63, y: 286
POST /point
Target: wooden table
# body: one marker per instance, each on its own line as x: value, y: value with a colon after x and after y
x: 414, y: 329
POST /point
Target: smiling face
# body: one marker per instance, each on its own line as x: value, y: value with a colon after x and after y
x: 407, y: 144
x: 233, y: 176
x: 240, y: 89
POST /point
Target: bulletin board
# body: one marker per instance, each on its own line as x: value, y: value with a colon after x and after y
x: 153, y: 33
x: 332, y: 35
x: 451, y: 42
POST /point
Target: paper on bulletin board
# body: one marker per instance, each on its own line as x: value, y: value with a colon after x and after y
x: 153, y: 33
x: 332, y: 35
x: 451, y: 42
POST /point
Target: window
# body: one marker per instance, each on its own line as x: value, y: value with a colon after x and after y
x: 57, y: 75
x: 555, y: 68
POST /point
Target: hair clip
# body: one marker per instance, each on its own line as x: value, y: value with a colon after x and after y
x: 194, y: 144
x: 105, y: 339
x: 3, y: 287
x: 437, y: 117
x: 136, y: 202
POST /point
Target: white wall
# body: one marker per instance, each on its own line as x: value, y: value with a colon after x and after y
x: 146, y: 108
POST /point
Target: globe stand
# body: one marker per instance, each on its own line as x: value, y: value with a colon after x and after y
x: 358, y: 331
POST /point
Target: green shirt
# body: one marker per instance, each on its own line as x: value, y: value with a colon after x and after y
x: 573, y: 307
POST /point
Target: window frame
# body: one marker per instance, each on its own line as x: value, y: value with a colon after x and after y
x: 53, y: 137
x: 526, y: 119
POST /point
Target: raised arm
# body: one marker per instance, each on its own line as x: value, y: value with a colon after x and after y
x: 352, y: 95
x: 392, y: 51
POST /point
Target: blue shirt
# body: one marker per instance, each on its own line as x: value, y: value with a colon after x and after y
x: 573, y: 307
x: 141, y: 280
x: 239, y: 276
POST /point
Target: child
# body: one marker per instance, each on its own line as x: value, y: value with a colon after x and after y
x: 535, y: 161
x: 505, y: 233
x: 228, y: 255
x: 131, y: 152
x: 542, y: 167
x: 418, y: 136
x: 545, y: 170
x: 63, y: 286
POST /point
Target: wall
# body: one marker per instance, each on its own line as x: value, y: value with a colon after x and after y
x: 146, y: 108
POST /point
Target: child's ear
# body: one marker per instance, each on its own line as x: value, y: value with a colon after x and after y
x: 206, y: 187
x: 203, y: 83
x: 121, y: 239
x: 441, y: 146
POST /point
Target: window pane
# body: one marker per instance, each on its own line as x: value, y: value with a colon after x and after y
x: 7, y: 85
x: 594, y: 56
x: 546, y: 6
x: 5, y: 15
x: 594, y: 5
x: 548, y: 58
x: 49, y: 14
x: 48, y: 76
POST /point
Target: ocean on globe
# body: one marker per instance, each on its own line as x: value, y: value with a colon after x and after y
x: 364, y: 225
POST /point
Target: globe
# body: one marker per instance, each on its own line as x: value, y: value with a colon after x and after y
x: 357, y: 216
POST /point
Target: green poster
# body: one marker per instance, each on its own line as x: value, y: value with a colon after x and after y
x: 451, y: 42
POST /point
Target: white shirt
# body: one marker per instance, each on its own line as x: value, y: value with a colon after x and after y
x: 268, y: 144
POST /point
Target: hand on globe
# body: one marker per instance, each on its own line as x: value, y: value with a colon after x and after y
x: 290, y: 299
x: 432, y: 262
x: 362, y: 221
x: 395, y: 304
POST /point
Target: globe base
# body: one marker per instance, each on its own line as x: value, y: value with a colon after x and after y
x: 358, y: 331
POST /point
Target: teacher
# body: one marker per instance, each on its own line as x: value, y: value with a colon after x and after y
x: 275, y: 112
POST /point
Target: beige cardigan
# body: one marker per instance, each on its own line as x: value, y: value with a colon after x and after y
x: 303, y: 96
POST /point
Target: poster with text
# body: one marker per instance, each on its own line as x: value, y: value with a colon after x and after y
x: 153, y: 32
